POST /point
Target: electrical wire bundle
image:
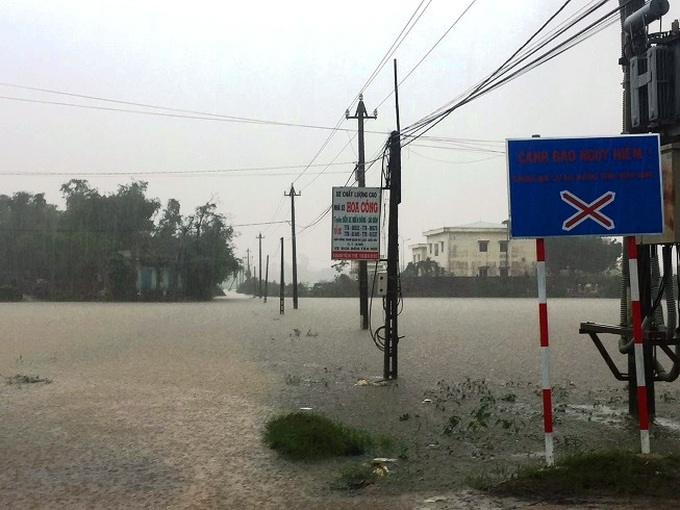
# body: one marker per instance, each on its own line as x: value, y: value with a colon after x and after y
x: 533, y: 53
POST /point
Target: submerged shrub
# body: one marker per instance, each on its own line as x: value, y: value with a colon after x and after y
x: 305, y: 435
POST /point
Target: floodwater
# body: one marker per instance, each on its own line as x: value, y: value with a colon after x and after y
x: 161, y: 405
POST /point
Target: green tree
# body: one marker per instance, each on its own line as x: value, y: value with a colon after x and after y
x: 122, y: 278
x: 429, y: 267
x: 207, y: 255
x: 27, y: 230
x: 340, y: 266
x: 591, y: 255
x: 95, y: 226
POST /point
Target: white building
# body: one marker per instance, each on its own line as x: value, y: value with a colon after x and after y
x: 477, y: 249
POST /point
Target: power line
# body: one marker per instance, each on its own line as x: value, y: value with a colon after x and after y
x: 382, y: 63
x: 449, y: 162
x: 496, y: 79
x: 197, y: 116
x: 118, y: 230
x: 395, y: 45
x: 179, y: 172
x: 258, y: 224
x: 325, y: 212
x: 561, y: 28
x: 427, y: 54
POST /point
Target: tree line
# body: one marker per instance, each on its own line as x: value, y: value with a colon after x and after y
x: 117, y: 246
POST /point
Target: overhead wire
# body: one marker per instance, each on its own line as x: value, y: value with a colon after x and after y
x: 417, y: 14
x: 563, y: 26
x: 465, y: 96
x: 501, y: 76
x: 116, y: 230
x: 393, y: 48
x: 175, y: 172
x: 202, y: 116
x: 449, y: 162
x: 325, y: 212
x: 400, y: 38
x: 427, y: 54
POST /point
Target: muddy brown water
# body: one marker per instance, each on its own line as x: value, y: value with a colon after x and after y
x: 163, y: 405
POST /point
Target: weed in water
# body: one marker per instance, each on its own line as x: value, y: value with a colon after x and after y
x: 304, y: 435
x: 667, y: 397
x: 27, y: 379
x: 293, y: 380
x: 612, y: 473
x: 356, y: 476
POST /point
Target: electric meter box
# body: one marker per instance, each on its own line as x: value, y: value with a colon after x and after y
x: 382, y: 283
x: 670, y: 179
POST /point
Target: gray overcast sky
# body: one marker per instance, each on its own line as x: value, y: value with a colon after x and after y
x: 300, y: 62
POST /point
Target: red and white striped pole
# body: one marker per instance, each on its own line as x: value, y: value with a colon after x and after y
x: 637, y: 338
x: 545, y: 351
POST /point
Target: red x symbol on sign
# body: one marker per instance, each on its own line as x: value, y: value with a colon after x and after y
x: 586, y: 211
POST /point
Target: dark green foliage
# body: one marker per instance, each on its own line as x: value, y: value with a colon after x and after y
x: 305, y: 435
x: 590, y: 255
x: 8, y: 293
x: 206, y: 257
x: 424, y: 268
x: 96, y: 247
x: 122, y: 278
x: 614, y: 473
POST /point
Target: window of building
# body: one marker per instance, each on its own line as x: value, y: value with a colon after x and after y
x: 504, y: 272
x: 484, y: 271
x: 483, y: 246
x: 430, y: 245
x: 436, y: 249
x: 504, y: 246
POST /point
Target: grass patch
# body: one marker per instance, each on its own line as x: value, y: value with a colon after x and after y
x: 356, y: 476
x: 615, y: 474
x: 27, y: 379
x: 305, y: 435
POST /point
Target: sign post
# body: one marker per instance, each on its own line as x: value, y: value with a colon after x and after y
x: 607, y: 186
x: 544, y: 341
x: 356, y: 224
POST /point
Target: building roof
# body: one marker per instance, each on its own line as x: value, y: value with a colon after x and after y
x: 481, y: 225
x: 477, y: 226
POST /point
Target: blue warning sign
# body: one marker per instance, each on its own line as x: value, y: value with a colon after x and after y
x: 585, y: 186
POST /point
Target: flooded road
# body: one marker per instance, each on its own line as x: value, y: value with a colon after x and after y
x: 162, y: 405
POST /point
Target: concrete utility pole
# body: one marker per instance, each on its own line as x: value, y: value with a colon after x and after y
x: 282, y: 287
x: 266, y: 280
x: 361, y: 115
x: 259, y: 271
x: 292, y: 196
x: 254, y: 282
x: 391, y: 357
x: 249, y: 274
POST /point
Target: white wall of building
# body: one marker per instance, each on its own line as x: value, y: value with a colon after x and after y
x: 478, y: 249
